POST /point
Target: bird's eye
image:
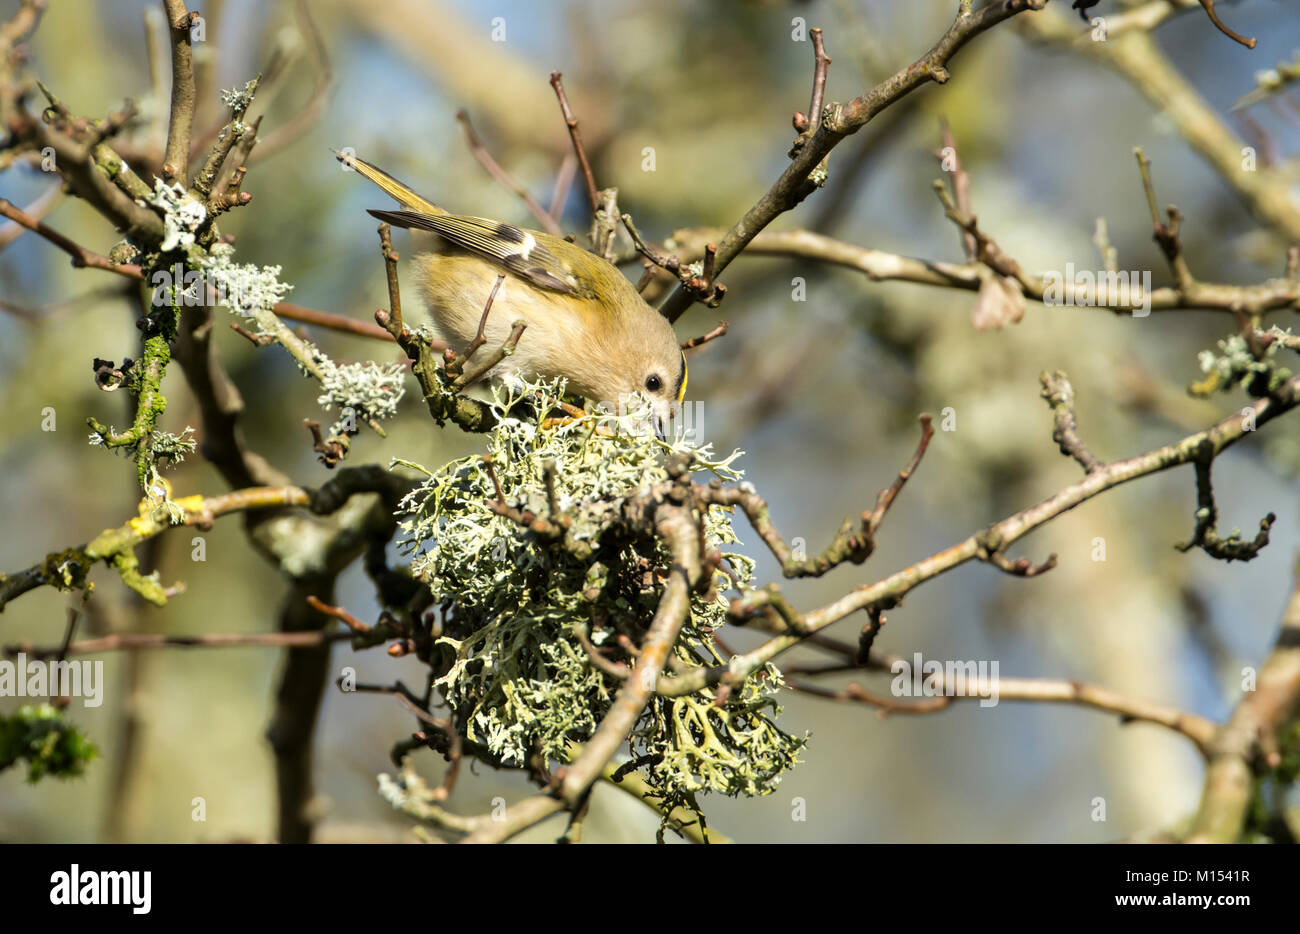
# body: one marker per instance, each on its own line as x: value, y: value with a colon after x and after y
x: 654, y: 383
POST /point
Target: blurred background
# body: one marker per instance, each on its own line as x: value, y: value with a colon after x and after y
x: 821, y: 394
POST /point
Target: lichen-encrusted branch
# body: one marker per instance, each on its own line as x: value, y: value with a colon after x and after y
x: 67, y: 570
x: 1206, y: 535
x: 1060, y: 396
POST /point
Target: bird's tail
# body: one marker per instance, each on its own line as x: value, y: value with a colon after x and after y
x: 399, y: 190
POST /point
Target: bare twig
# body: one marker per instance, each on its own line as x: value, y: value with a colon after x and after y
x: 479, y: 339
x: 703, y: 339
x: 572, y: 123
x: 1165, y: 234
x: 342, y: 615
x: 471, y: 376
x: 177, y: 153
x: 886, y: 497
x: 994, y: 540
x: 81, y: 257
x: 795, y: 183
x: 1223, y: 28
x: 301, y: 122
x: 821, y: 62
x: 950, y: 161
x: 563, y: 181
x: 504, y: 178
x: 85, y: 258
x: 37, y: 210
x: 1279, y: 294
x: 135, y: 641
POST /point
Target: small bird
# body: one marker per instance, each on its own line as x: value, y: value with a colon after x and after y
x: 586, y: 321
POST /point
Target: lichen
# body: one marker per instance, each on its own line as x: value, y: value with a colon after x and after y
x: 1236, y: 365
x: 516, y: 608
x: 244, y: 288
x: 182, y: 215
x: 368, y: 390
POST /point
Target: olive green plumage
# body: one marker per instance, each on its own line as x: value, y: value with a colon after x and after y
x: 586, y: 322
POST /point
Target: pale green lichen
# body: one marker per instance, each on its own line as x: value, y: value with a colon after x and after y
x: 171, y: 447
x: 1235, y: 365
x: 510, y: 661
x: 360, y: 392
x: 366, y: 390
x: 244, y: 288
x: 238, y: 99
x: 182, y: 215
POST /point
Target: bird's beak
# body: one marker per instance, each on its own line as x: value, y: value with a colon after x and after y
x: 659, y: 429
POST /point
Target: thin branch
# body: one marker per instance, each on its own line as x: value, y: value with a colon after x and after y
x: 886, y: 497
x: 850, y: 544
x: 700, y: 285
x: 1165, y: 234
x: 821, y: 63
x: 950, y: 161
x: 86, y: 258
x: 1200, y: 730
x: 479, y: 338
x: 796, y: 182
x: 1206, y: 536
x: 563, y: 181
x: 38, y: 209
x: 504, y: 178
x: 67, y: 569
x: 1282, y: 294
x: 177, y: 153
x: 703, y: 339
x: 994, y: 540
x: 1247, y: 747
x: 292, y: 130
x: 81, y: 257
x: 342, y: 615
x: 1223, y: 28
x: 572, y: 123
x: 473, y: 375
x: 1137, y: 57
x: 390, y: 275
x: 1060, y: 396
x: 134, y: 641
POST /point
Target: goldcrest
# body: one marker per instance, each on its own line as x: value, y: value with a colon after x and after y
x: 586, y: 321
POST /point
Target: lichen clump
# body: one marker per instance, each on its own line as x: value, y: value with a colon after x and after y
x: 1236, y: 364
x: 516, y: 609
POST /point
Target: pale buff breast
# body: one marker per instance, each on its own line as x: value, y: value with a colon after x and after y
x: 557, y: 342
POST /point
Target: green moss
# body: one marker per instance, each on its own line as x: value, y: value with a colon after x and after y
x: 45, y: 741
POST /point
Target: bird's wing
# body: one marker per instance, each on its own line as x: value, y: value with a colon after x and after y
x: 401, y: 192
x: 504, y: 245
